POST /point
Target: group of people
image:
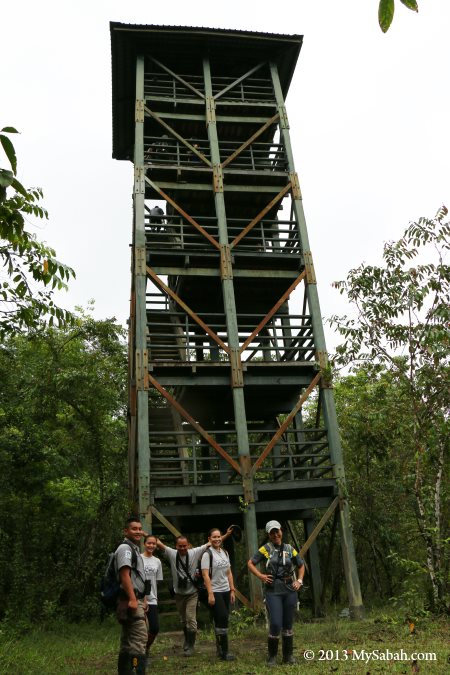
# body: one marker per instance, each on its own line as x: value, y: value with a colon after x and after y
x: 138, y: 573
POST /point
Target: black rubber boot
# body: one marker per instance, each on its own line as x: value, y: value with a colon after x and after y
x: 224, y: 653
x: 185, y: 643
x: 272, y: 647
x: 218, y: 648
x: 190, y: 639
x: 288, y: 648
x: 137, y: 664
x: 123, y: 664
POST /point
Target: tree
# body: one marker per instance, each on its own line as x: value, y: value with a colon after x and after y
x: 386, y: 10
x: 31, y: 271
x: 401, y: 324
x: 63, y: 467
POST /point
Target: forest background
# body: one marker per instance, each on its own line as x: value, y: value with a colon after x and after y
x: 63, y: 426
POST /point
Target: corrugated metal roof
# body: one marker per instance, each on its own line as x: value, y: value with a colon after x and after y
x: 182, y: 47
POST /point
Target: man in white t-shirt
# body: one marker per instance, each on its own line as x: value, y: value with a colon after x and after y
x: 183, y: 561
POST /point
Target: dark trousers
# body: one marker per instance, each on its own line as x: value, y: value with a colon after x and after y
x: 281, y: 608
x: 220, y: 610
x: 153, y: 619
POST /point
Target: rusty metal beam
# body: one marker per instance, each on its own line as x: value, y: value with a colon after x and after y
x: 187, y: 309
x: 273, y: 311
x: 253, y: 138
x: 162, y: 519
x: 178, y: 77
x: 286, y: 423
x: 314, y: 534
x: 183, y: 213
x: 260, y: 215
x: 174, y: 133
x: 245, y: 601
x: 195, y: 425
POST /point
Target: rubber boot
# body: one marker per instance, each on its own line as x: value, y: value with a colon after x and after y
x: 288, y: 648
x: 190, y: 637
x: 272, y: 648
x: 185, y: 643
x: 123, y: 664
x: 150, y: 640
x: 218, y: 648
x: 224, y: 653
x: 137, y: 666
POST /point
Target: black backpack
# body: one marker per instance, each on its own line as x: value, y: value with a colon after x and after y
x: 110, y: 584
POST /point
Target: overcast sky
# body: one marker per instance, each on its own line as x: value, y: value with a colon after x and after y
x: 368, y: 114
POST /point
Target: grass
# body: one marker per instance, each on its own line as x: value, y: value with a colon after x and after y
x: 92, y: 648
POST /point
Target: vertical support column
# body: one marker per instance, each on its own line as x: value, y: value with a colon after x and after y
x: 251, y: 534
x: 348, y: 552
x: 140, y: 285
x: 314, y: 569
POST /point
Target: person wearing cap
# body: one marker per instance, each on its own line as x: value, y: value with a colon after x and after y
x: 282, y: 579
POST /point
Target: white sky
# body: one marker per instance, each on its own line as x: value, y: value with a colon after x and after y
x: 369, y: 117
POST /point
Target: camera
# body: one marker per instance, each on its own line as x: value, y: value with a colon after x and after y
x: 182, y: 582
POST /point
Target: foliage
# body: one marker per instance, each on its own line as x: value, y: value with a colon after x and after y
x: 31, y: 271
x: 62, y: 466
x: 386, y: 10
x: 401, y: 326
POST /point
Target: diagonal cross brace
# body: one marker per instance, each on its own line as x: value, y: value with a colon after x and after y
x: 195, y: 425
x: 239, y: 80
x: 183, y: 213
x: 178, y: 77
x: 253, y: 138
x: 286, y: 423
x: 162, y: 519
x: 274, y: 309
x: 260, y: 215
x: 174, y: 133
x: 152, y: 274
x: 313, y: 536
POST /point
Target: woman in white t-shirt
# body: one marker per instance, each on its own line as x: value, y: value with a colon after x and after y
x: 218, y: 578
x: 153, y: 572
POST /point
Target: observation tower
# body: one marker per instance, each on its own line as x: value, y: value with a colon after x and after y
x: 231, y: 409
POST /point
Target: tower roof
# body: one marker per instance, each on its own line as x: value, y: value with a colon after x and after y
x: 232, y: 50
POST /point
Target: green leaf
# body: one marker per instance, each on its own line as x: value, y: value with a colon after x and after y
x: 385, y: 14
x: 6, y: 177
x: 10, y: 130
x: 19, y: 187
x: 410, y: 4
x: 8, y: 147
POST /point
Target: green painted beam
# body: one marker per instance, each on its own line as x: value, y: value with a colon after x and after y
x: 349, y: 558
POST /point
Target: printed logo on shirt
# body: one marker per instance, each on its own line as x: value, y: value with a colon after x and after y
x: 128, y: 554
x: 221, y: 562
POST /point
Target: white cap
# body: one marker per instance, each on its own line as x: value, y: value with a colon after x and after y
x: 272, y: 525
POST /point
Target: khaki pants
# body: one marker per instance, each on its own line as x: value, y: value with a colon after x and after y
x: 133, y: 639
x: 187, y: 609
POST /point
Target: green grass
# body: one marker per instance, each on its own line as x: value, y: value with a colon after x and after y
x: 91, y: 648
